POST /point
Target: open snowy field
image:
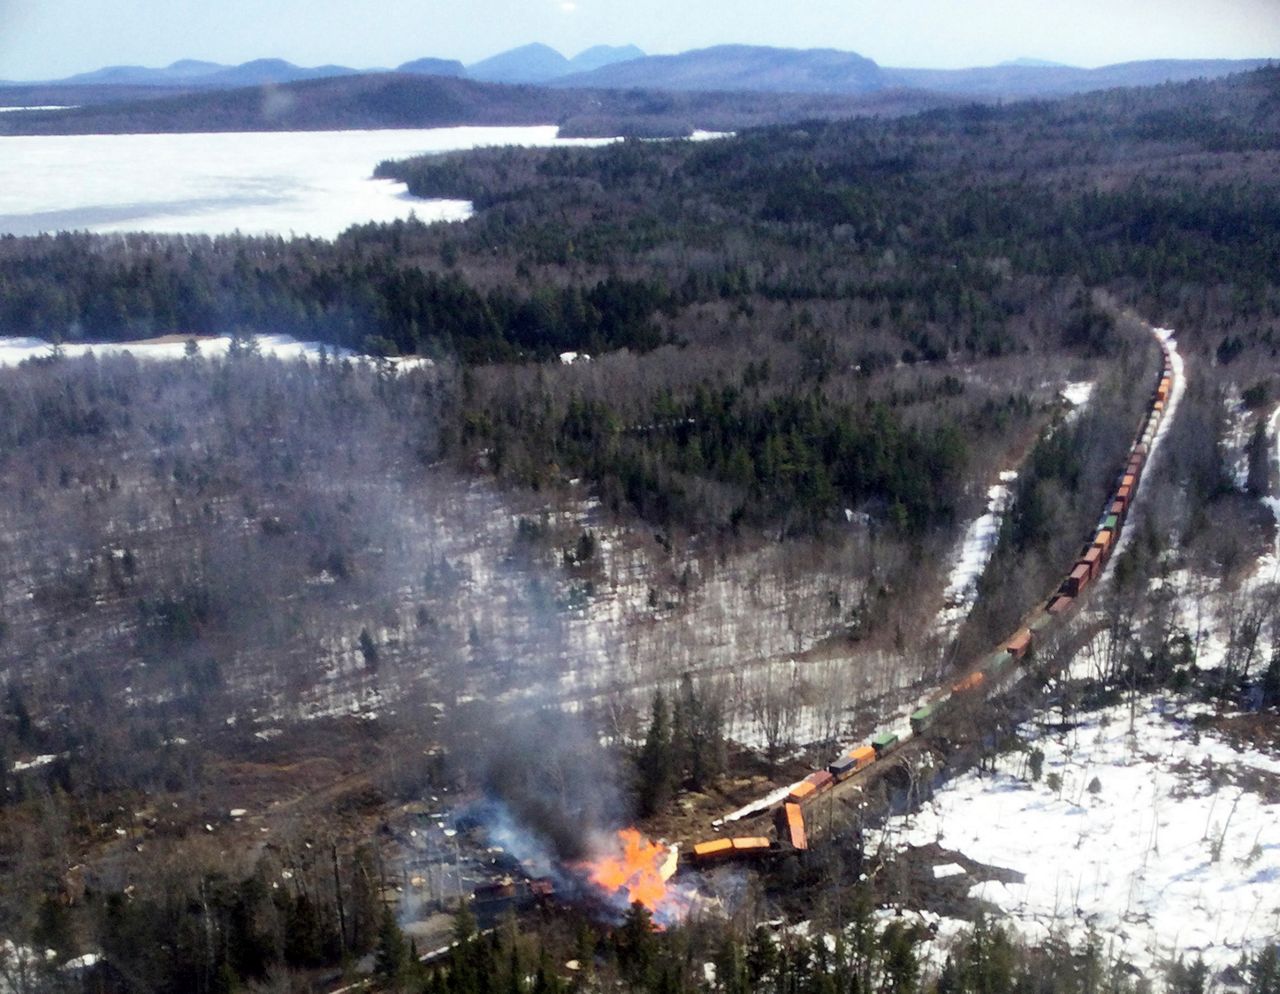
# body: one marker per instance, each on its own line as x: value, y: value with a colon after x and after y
x: 1159, y: 836
x: 16, y: 350
x: 303, y: 183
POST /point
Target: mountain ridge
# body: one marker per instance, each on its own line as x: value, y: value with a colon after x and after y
x: 404, y: 100
x: 741, y: 68
x: 721, y: 68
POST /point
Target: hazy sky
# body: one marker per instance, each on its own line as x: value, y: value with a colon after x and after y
x: 42, y: 39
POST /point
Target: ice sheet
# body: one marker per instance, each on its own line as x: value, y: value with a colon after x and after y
x: 303, y: 183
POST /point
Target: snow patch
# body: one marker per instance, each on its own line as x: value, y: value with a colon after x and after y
x: 755, y: 807
x: 1144, y: 830
x: 975, y: 551
x: 33, y: 764
x: 16, y: 350
x: 1077, y: 394
x: 1272, y: 500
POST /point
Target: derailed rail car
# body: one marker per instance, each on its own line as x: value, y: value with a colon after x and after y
x: 723, y: 850
x: 1088, y: 568
x: 790, y: 824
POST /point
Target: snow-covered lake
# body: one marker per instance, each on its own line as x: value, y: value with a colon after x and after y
x: 304, y: 183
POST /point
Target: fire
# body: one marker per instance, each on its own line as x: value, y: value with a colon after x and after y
x: 638, y: 870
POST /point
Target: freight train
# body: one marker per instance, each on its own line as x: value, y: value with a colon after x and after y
x: 987, y: 673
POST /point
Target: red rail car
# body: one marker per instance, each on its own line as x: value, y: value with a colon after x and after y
x: 1018, y: 645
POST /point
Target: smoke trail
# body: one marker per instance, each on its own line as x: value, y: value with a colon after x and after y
x: 551, y: 785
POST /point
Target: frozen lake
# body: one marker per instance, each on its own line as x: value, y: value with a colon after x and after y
x: 303, y: 183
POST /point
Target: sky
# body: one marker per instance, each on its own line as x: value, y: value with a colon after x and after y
x: 47, y: 39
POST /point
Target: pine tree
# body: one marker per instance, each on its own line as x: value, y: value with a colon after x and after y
x: 391, y: 955
x: 657, y: 769
x: 1264, y: 974
x: 368, y: 649
x: 1271, y: 679
x: 900, y: 963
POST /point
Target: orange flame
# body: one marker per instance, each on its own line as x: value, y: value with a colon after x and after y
x: 637, y: 869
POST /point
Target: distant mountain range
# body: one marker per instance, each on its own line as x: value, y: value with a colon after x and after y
x: 1017, y: 81
x: 739, y: 68
x: 725, y: 68
x: 528, y: 64
x: 541, y: 63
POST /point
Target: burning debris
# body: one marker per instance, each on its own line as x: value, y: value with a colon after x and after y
x: 550, y: 797
x: 620, y: 869
x: 632, y: 869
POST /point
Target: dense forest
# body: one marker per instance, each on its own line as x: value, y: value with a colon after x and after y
x: 689, y: 408
x: 409, y: 100
x: 845, y: 248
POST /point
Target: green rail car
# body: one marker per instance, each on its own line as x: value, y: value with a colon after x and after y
x: 884, y: 743
x: 922, y: 719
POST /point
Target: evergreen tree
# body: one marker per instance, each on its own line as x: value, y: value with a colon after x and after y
x: 899, y: 961
x: 1264, y: 972
x: 1271, y: 679
x: 657, y: 766
x: 53, y: 928
x: 391, y: 954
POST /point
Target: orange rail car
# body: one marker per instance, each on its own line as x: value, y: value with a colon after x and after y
x: 713, y: 849
x: 791, y: 826
x: 801, y: 792
x: 862, y: 757
x: 972, y: 682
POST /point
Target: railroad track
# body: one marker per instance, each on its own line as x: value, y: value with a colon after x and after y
x: 991, y: 674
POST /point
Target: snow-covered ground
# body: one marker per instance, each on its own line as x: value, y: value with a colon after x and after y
x: 978, y: 543
x: 1174, y: 848
x: 305, y: 183
x: 1235, y: 441
x: 1162, y: 837
x: 1078, y: 395
x: 976, y: 548
x: 16, y: 350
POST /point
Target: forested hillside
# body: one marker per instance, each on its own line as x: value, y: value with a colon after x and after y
x: 410, y: 100
x: 800, y: 262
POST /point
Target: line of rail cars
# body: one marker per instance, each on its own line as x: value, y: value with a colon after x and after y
x: 742, y: 847
x: 1087, y: 569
